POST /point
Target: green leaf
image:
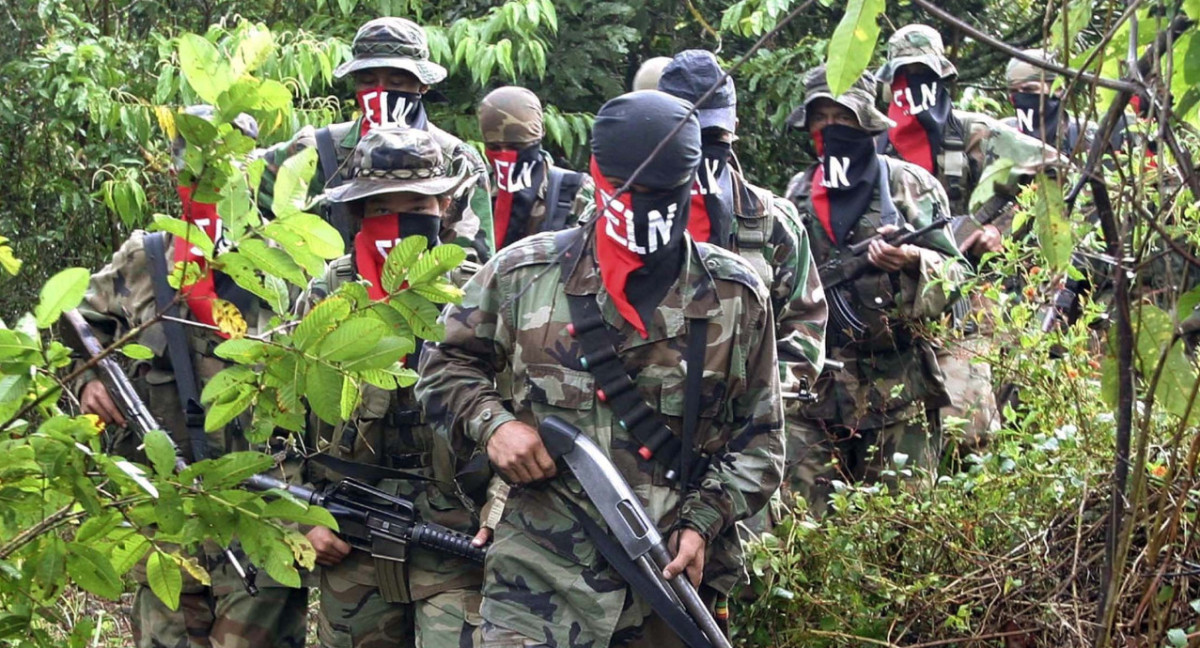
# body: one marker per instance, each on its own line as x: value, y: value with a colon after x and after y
x: 325, y: 392
x: 273, y: 261
x: 97, y: 527
x: 436, y: 263
x: 440, y: 292
x: 62, y: 292
x: 241, y: 351
x: 227, y: 408
x: 16, y: 346
x: 168, y: 510
x: 184, y: 231
x: 296, y: 246
x: 349, y: 399
x: 319, y: 321
x: 161, y: 452
x: 128, y: 552
x: 204, y: 67
x: 137, y: 351
x: 1052, y: 229
x: 293, y: 510
x: 399, y: 260
x: 253, y: 50
x: 195, y: 130
x: 322, y: 238
x: 384, y: 354
x: 233, y: 468
x: 291, y: 183
x: 420, y: 314
x: 166, y: 581
x: 351, y: 339
x: 92, y: 571
x: 13, y: 625
x: 996, y: 172
x: 1177, y: 637
x: 852, y: 44
x: 225, y: 384
x: 51, y: 562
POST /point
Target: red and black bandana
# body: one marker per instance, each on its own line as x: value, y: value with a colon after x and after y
x: 383, y: 107
x: 377, y: 237
x: 921, y: 109
x: 844, y: 182
x: 711, y: 218
x: 518, y: 176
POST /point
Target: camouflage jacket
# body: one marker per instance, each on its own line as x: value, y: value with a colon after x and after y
x: 544, y: 578
x: 977, y: 143
x: 890, y: 371
x: 469, y: 220
x: 584, y: 197
x: 388, y: 430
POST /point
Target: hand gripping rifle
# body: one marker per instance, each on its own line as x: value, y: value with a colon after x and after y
x: 645, y: 552
x: 139, y: 417
x: 853, y: 264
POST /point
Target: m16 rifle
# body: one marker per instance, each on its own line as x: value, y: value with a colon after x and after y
x: 853, y: 264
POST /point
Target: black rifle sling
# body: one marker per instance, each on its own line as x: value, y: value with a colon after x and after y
x: 697, y: 345
x: 614, y: 385
x: 561, y: 187
x: 653, y: 592
x: 338, y: 215
x: 178, y: 350
x: 363, y: 472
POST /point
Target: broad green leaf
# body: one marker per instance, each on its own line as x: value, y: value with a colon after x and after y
x: 243, y: 351
x: 225, y: 384
x: 93, y: 571
x: 17, y: 346
x: 273, y: 261
x: 295, y: 511
x: 10, y: 263
x: 440, y: 292
x: 98, y: 526
x: 232, y: 468
x: 436, y: 263
x: 168, y: 510
x: 384, y: 354
x: 291, y: 183
x: 204, y: 67
x: 1052, y: 228
x: 51, y: 562
x: 253, y: 50
x: 349, y: 398
x: 166, y: 581
x: 62, y: 292
x: 13, y: 625
x: 183, y: 231
x: 399, y: 260
x: 161, y: 452
x: 296, y: 246
x: 320, y: 320
x: 351, y: 339
x: 996, y: 172
x: 228, y: 407
x: 322, y: 238
x: 137, y: 352
x: 324, y: 392
x: 242, y: 270
x: 128, y: 552
x: 420, y: 314
x: 852, y: 44
x: 195, y: 130
x: 135, y: 472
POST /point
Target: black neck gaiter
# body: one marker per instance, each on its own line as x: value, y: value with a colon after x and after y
x: 849, y: 171
x: 1038, y: 114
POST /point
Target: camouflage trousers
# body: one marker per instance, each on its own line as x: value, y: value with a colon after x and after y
x: 821, y: 452
x: 353, y: 613
x: 972, y: 414
x: 222, y: 615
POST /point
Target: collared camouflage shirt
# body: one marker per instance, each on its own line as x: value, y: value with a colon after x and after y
x: 468, y: 222
x: 543, y: 577
x: 890, y: 372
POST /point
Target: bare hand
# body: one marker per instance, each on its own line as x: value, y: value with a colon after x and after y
x: 95, y: 400
x: 888, y: 257
x: 331, y: 549
x: 482, y: 537
x: 983, y: 240
x: 517, y: 451
x: 689, y: 555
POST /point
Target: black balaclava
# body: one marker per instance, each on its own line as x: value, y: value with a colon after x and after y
x: 1038, y: 113
x: 845, y: 184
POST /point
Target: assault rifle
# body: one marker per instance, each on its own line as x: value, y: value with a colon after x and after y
x: 998, y: 205
x: 638, y: 552
x: 138, y: 416
x: 369, y: 519
x: 851, y: 265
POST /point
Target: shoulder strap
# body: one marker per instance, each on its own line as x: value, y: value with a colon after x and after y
x: 177, y: 347
x: 561, y: 187
x: 336, y: 213
x: 756, y: 221
x: 888, y: 215
x: 614, y: 385
x: 697, y: 347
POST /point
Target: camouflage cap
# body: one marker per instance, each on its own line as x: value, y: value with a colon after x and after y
x: 860, y: 99
x: 392, y: 160
x: 511, y: 115
x: 647, y: 76
x: 392, y: 43
x: 1019, y: 71
x: 916, y: 44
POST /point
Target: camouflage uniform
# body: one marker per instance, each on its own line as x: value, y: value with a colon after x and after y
x: 872, y: 408
x: 546, y: 583
x: 971, y: 144
x: 400, y: 44
x: 512, y: 115
x: 121, y: 297
x: 431, y: 600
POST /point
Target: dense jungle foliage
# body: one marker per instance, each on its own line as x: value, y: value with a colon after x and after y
x: 1075, y: 526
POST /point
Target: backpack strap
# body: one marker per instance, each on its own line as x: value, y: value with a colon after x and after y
x: 755, y: 222
x: 616, y: 388
x: 953, y: 165
x: 561, y: 187
x: 336, y: 214
x: 178, y: 350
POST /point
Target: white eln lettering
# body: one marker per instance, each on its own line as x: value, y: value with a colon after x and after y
x: 1025, y: 119
x: 401, y: 110
x: 505, y: 180
x: 370, y: 103
x: 216, y: 234
x: 838, y: 177
x: 659, y: 232
x: 928, y: 96
x: 384, y: 246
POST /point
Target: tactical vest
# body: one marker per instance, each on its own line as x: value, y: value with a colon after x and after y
x: 862, y: 314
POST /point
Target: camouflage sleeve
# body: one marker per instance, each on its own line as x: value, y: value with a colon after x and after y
x: 991, y: 142
x: 457, y: 383
x: 797, y: 300
x: 469, y: 218
x: 585, y: 197
x: 275, y: 156
x: 929, y: 292
x: 751, y: 468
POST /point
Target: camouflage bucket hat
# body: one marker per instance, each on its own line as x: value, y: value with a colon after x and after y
x: 392, y: 160
x: 1019, y: 71
x: 392, y: 43
x: 859, y: 99
x: 647, y: 75
x: 916, y: 44
x: 511, y: 115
